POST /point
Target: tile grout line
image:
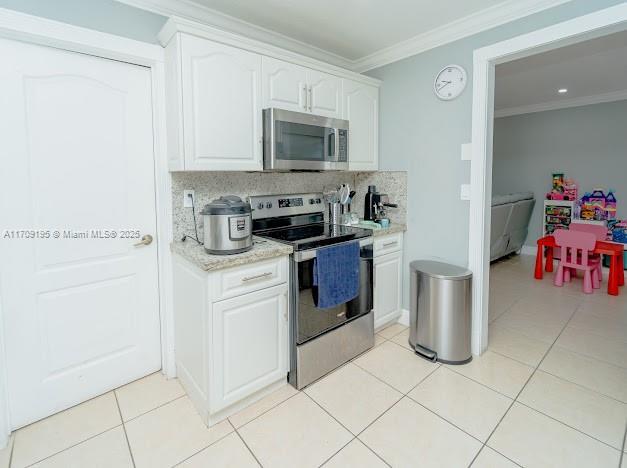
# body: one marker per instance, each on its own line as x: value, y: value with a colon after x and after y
x: 153, y: 409
x: 622, y: 452
x: 565, y: 424
x: 206, y: 447
x: 70, y: 447
x: 264, y: 412
x: 245, y: 444
x: 535, y: 369
x: 128, y: 443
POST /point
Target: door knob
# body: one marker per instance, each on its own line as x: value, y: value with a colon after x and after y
x: 146, y: 240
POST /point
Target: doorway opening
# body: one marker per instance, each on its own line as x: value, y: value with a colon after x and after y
x: 596, y: 25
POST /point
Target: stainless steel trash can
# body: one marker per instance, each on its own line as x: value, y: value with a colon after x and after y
x: 440, y: 311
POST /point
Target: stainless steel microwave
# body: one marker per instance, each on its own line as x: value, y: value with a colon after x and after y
x: 298, y: 141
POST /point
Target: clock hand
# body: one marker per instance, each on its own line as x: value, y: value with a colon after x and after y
x: 446, y: 83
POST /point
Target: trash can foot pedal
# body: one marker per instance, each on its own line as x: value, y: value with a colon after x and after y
x: 425, y: 353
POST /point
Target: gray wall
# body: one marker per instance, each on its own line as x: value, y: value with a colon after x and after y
x: 422, y: 135
x: 588, y: 144
x: 102, y: 15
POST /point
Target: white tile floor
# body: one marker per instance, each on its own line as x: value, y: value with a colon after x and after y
x: 550, y: 392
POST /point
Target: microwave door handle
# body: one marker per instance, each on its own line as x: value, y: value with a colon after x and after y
x: 331, y: 145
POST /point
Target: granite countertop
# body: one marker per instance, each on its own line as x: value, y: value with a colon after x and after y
x: 262, y: 250
x: 391, y: 229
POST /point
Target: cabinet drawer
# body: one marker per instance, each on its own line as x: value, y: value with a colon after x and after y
x: 387, y: 244
x: 243, y: 279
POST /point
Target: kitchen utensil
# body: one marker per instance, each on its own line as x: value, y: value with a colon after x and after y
x: 227, y: 224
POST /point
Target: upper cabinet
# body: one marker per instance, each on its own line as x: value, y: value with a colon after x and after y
x: 325, y: 94
x: 361, y: 109
x: 218, y: 125
x: 218, y: 85
x: 292, y: 87
x: 284, y: 85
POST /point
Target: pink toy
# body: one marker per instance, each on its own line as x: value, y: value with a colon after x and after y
x: 570, y: 243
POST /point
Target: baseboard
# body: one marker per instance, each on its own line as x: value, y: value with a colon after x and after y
x: 404, y: 318
x: 528, y: 250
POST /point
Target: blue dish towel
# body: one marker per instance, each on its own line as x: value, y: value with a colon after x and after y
x: 336, y: 274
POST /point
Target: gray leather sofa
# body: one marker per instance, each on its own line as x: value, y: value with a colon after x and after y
x: 510, y: 222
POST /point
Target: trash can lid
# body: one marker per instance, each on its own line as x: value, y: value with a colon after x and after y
x: 440, y: 270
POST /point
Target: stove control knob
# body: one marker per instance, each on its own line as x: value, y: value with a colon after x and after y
x: 260, y: 206
x: 318, y: 200
x: 312, y: 201
x: 268, y: 205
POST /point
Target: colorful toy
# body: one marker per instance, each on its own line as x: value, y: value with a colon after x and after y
x: 610, y: 205
x: 562, y: 189
x: 619, y: 232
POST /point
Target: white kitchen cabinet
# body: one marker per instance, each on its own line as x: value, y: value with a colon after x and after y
x: 325, y: 94
x: 217, y: 125
x: 231, y: 350
x: 361, y: 109
x: 388, y: 278
x: 250, y: 344
x: 296, y: 88
x: 284, y: 85
x: 217, y: 86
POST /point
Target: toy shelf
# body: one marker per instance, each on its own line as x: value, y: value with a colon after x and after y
x: 557, y: 214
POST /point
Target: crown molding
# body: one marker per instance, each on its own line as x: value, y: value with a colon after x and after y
x: 482, y: 20
x: 562, y: 104
x: 190, y: 10
x: 181, y: 25
x: 497, y: 15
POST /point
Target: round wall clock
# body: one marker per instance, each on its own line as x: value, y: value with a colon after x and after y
x: 450, y: 82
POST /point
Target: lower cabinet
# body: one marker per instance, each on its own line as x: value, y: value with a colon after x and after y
x: 388, y: 279
x: 249, y: 344
x: 231, y: 349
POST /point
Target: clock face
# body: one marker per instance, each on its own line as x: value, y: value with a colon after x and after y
x: 450, y: 82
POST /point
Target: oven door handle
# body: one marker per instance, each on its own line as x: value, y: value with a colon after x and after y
x: 304, y: 255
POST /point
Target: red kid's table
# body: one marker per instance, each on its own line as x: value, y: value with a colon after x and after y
x: 613, y: 249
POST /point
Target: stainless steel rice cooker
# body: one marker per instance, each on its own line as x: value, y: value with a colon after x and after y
x: 227, y: 224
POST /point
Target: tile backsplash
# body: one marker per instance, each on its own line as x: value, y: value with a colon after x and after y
x: 210, y: 185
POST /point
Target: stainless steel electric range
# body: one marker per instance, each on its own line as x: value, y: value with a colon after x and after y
x: 320, y: 339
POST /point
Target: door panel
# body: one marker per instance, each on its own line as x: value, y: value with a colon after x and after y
x: 284, y: 85
x: 81, y: 313
x: 387, y: 287
x: 249, y: 344
x: 221, y: 106
x: 361, y: 109
x: 326, y: 94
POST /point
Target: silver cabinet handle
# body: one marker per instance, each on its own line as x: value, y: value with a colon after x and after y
x: 256, y: 277
x: 310, y: 99
x: 146, y: 240
x: 387, y: 244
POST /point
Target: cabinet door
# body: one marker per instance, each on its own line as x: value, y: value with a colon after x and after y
x: 387, y: 288
x: 361, y: 109
x: 284, y: 85
x: 325, y: 94
x: 221, y: 106
x: 249, y: 338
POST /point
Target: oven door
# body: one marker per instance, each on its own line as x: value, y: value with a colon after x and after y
x: 297, y: 141
x: 309, y: 321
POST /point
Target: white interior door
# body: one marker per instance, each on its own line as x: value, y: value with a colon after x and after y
x: 81, y: 314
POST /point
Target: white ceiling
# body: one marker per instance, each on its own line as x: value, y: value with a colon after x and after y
x: 354, y: 34
x: 594, y: 70
x: 349, y: 28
